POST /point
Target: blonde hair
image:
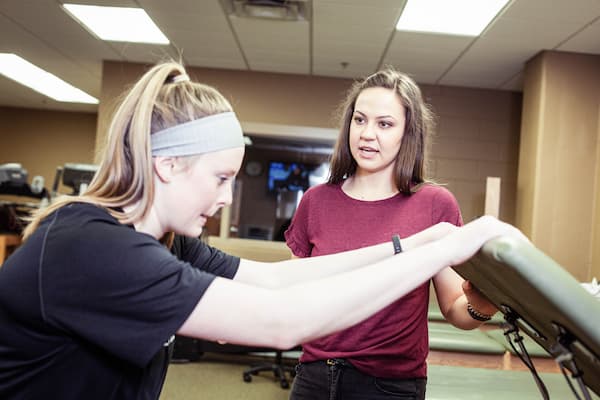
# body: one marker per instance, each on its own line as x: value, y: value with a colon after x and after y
x: 156, y: 102
x: 410, y: 161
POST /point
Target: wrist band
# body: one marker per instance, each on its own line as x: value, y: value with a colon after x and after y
x: 396, y: 243
x: 476, y: 314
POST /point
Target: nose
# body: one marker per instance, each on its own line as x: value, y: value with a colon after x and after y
x: 368, y: 132
x: 226, y: 195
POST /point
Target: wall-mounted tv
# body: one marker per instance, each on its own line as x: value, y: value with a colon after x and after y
x: 290, y: 176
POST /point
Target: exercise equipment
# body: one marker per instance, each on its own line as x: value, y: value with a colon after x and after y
x: 540, y: 298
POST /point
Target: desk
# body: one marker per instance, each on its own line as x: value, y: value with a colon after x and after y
x: 8, y: 242
x: 257, y: 250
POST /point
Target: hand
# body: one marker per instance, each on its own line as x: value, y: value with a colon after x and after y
x: 467, y: 240
x: 478, y: 300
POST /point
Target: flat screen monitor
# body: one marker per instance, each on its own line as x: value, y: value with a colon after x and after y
x: 78, y: 176
x: 290, y: 176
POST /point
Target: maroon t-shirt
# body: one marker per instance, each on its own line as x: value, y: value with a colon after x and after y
x: 393, y: 343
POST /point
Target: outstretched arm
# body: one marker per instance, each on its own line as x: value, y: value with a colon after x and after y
x: 281, y: 318
x: 292, y: 272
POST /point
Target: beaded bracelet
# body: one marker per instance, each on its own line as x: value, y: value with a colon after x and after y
x: 477, y: 315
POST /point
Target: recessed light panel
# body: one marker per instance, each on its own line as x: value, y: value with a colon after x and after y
x: 451, y: 17
x: 25, y: 73
x: 119, y: 24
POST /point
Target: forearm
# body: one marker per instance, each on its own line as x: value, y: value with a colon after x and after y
x: 290, y: 272
x: 459, y: 316
x: 428, y: 235
x: 454, y: 294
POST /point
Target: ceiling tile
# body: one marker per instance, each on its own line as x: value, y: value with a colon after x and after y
x: 424, y: 56
x: 199, y: 31
x: 269, y: 45
x: 349, y: 38
x: 585, y: 41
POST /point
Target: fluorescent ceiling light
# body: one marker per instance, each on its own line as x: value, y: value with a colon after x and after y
x: 119, y: 24
x: 456, y: 17
x: 22, y: 71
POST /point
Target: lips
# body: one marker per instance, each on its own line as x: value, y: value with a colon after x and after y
x: 369, y: 149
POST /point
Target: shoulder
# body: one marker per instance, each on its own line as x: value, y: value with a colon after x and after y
x: 444, y: 206
x: 84, y: 213
x: 435, y: 192
x: 90, y: 226
x: 321, y: 192
x: 323, y: 189
x: 77, y: 221
x: 86, y: 242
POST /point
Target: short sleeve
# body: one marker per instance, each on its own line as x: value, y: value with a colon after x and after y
x: 445, y: 208
x: 207, y: 258
x: 296, y: 236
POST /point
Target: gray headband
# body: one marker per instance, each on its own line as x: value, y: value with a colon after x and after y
x: 202, y: 135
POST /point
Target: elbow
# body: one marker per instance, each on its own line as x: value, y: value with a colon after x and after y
x: 466, y: 326
x: 462, y: 322
x: 285, y: 343
x: 284, y: 327
x: 283, y: 336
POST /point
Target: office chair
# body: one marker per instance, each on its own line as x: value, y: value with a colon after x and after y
x: 277, y: 366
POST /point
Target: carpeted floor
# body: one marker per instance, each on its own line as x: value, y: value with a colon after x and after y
x: 219, y: 377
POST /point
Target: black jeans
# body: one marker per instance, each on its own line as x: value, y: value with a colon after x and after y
x: 337, y: 379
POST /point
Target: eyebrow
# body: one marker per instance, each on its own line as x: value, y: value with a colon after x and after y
x: 377, y: 117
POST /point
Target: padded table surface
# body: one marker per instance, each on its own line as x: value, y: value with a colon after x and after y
x: 546, y: 302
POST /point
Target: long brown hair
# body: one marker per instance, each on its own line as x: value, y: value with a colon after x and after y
x: 410, y: 161
x: 125, y: 174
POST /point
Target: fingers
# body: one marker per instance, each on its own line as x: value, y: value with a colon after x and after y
x: 477, y: 299
x: 467, y: 287
x: 470, y: 290
x: 491, y: 227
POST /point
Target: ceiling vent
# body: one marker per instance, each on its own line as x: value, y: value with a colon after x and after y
x: 281, y: 10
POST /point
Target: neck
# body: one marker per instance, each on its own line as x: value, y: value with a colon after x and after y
x: 149, y: 224
x: 370, y: 186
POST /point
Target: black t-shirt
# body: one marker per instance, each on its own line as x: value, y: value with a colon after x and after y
x: 88, y: 307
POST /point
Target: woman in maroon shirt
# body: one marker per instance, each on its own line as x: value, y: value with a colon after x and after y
x: 377, y: 189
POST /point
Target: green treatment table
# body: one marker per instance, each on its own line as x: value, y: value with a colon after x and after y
x: 461, y: 383
x: 445, y: 337
x: 538, y: 297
